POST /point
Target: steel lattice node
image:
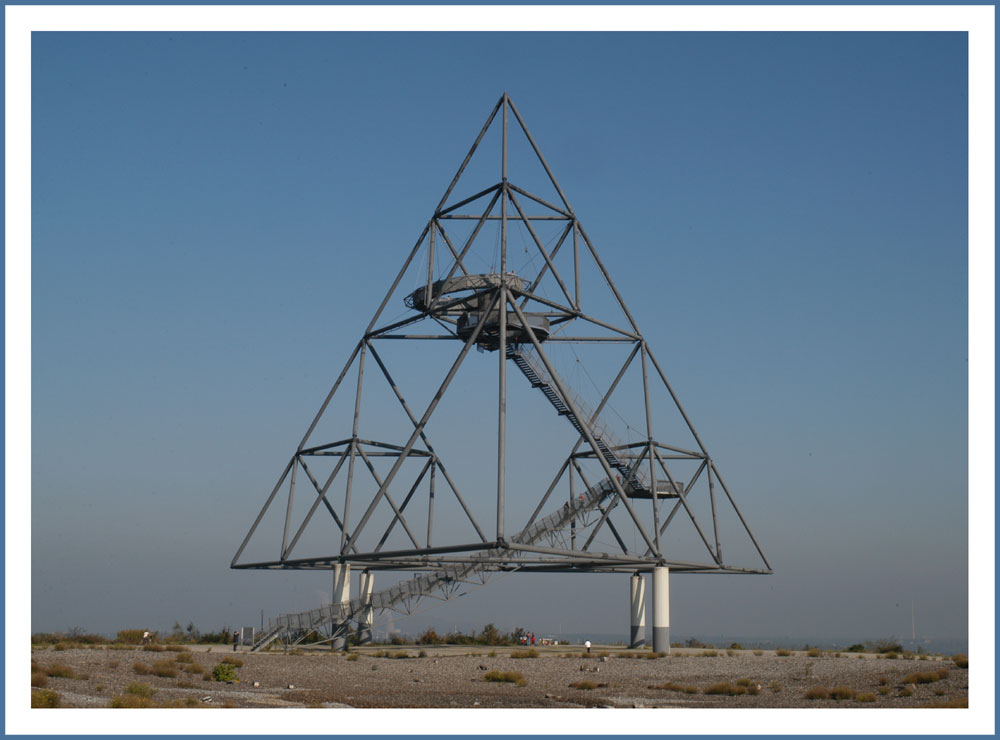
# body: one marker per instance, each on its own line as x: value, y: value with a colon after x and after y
x: 381, y: 497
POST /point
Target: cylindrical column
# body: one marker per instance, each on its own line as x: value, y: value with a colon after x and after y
x: 661, y: 610
x: 365, y: 588
x: 637, y: 608
x: 341, y: 593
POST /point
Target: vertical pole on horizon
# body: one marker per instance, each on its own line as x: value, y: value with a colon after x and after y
x: 637, y: 611
x: 661, y: 610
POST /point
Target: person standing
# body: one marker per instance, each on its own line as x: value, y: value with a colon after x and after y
x: 586, y: 644
x: 236, y: 639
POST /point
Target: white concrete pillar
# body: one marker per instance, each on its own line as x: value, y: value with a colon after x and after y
x: 341, y: 593
x: 661, y: 610
x: 365, y: 588
x: 637, y: 609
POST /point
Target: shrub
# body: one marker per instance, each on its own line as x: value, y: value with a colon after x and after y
x: 224, y: 672
x: 422, y: 654
x: 128, y: 701
x: 61, y: 646
x: 430, y: 637
x: 926, y: 677
x: 505, y: 677
x: 887, y: 646
x: 352, y: 657
x: 817, y: 692
x: 883, y: 690
x: 840, y: 693
x: 164, y: 669
x: 783, y: 653
x: 173, y: 648
x: 758, y: 653
x: 865, y: 698
x: 44, y: 699
x: 709, y: 653
x: 58, y: 670
x: 856, y: 648
x: 130, y: 637
x: 583, y: 685
x: 140, y: 689
x: 775, y: 686
x: 960, y: 661
x: 233, y: 661
x: 735, y: 646
x: 671, y: 686
x: 39, y: 679
x: 732, y: 653
x: 906, y: 691
x: 891, y: 656
x: 725, y: 688
x: 519, y: 654
x: 184, y: 658
x: 814, y: 653
x: 141, y: 669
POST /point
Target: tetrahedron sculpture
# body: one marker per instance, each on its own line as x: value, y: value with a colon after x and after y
x: 503, y: 266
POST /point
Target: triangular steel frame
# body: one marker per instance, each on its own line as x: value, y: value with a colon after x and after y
x: 631, y: 472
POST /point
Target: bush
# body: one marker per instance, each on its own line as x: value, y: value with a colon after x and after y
x: 583, y: 685
x: 783, y: 653
x: 140, y: 689
x: 960, y: 661
x: 817, y: 692
x: 154, y: 648
x: 58, y: 670
x: 505, y: 677
x: 856, y: 648
x: 233, y: 661
x: 883, y: 690
x: 725, y: 688
x: 926, y: 677
x: 775, y: 686
x: 906, y: 692
x: 352, y: 657
x: 39, y: 679
x: 865, y: 698
x: 814, y: 653
x: 164, y: 669
x: 671, y: 686
x: 44, y: 699
x: 129, y: 701
x: 758, y: 652
x: 735, y: 646
x: 131, y: 637
x: 184, y: 658
x: 840, y: 693
x: 520, y: 654
x: 709, y: 653
x: 193, y: 668
x: 141, y: 669
x: 430, y: 637
x: 224, y: 672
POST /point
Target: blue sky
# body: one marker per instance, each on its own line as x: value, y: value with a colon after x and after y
x: 215, y: 218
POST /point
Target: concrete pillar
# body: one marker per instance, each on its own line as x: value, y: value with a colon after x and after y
x: 661, y: 610
x: 637, y: 609
x: 365, y: 588
x: 341, y: 593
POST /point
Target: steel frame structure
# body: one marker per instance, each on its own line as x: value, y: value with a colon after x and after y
x: 496, y: 316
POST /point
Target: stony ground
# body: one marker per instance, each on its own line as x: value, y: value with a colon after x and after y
x: 458, y: 677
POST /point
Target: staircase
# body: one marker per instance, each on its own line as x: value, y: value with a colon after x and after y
x: 532, y: 369
x: 442, y: 584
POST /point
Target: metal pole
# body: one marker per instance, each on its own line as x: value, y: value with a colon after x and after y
x: 430, y: 505
x: 740, y: 515
x: 576, y: 265
x: 502, y: 395
x: 329, y: 396
x: 471, y: 152
x: 661, y: 610
x: 715, y: 519
x: 652, y: 467
x: 637, y: 611
x: 353, y: 451
x: 260, y: 515
x: 288, y: 509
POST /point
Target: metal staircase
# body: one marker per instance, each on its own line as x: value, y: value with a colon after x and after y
x: 539, y: 378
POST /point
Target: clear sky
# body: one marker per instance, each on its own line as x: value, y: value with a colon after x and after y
x: 216, y: 217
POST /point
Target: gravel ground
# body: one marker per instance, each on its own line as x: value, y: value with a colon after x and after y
x: 455, y: 677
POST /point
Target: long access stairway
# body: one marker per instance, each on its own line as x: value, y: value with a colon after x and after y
x: 444, y: 583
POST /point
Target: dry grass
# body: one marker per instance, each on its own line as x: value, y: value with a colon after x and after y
x: 817, y: 692
x: 44, y: 699
x: 184, y: 658
x: 58, y: 670
x: 842, y: 693
x: 926, y: 677
x: 905, y: 692
x: 725, y: 688
x: 709, y: 653
x: 193, y: 668
x: 141, y: 669
x: 232, y: 661
x: 815, y: 653
x: 583, y: 685
x: 352, y: 657
x: 960, y: 660
x: 505, y: 677
x: 521, y: 654
x: 164, y: 669
x: 671, y: 686
x: 959, y: 703
x: 39, y: 679
x: 782, y: 653
x: 865, y: 698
